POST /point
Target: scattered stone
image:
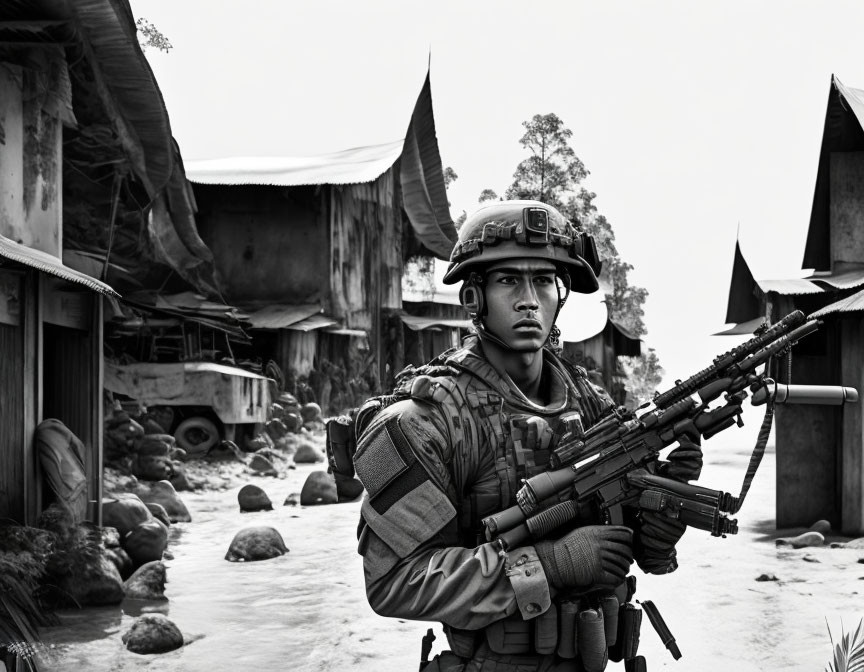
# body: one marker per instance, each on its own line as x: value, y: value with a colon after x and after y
x: 124, y: 512
x: 94, y: 582
x: 263, y: 466
x: 155, y: 444
x: 252, y: 498
x: 310, y: 412
x: 293, y: 499
x: 308, y: 453
x: 179, y: 479
x: 855, y: 543
x: 293, y: 422
x: 821, y: 526
x: 348, y: 488
x: 153, y: 633
x: 121, y: 560
x: 153, y: 467
x: 319, y: 488
x: 162, y: 492
x: 276, y: 429
x: 256, y: 543
x: 147, y: 583
x: 810, y: 558
x: 767, y: 577
x: 802, y: 540
x: 146, y: 542
x: 110, y: 537
x: 159, y: 513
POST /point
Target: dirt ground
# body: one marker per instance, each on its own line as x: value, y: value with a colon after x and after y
x: 307, y: 610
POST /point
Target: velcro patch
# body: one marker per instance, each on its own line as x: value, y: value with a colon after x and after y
x: 378, y: 462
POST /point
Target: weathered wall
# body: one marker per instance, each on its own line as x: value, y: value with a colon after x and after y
x: 269, y: 243
x: 30, y: 163
x: 852, y: 474
x: 846, y: 210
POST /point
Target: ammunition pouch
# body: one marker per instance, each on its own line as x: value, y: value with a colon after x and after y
x: 462, y: 642
x: 341, y: 445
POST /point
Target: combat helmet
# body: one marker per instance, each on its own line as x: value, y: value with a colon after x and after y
x: 520, y: 229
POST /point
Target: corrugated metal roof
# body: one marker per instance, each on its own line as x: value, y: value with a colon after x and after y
x: 850, y: 304
x: 282, y: 316
x: 350, y: 166
x: 840, y: 279
x: 47, y: 263
x: 314, y: 322
x: 790, y: 287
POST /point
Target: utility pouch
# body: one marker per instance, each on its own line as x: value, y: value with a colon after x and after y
x: 636, y: 664
x: 341, y: 445
x: 567, y: 642
x: 546, y: 631
x: 592, y: 640
x: 511, y: 636
x: 461, y: 642
x: 609, y: 605
x: 627, y: 643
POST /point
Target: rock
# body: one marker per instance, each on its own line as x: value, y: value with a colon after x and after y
x: 93, y: 582
x: 308, y: 453
x: 147, y: 583
x: 767, y: 577
x: 348, y: 488
x: 263, y: 466
x: 125, y: 512
x: 802, y: 540
x: 288, y: 400
x: 821, y: 526
x: 150, y: 425
x: 293, y: 499
x: 153, y: 633
x: 319, y: 488
x: 153, y: 467
x: 276, y: 429
x: 310, y: 411
x: 110, y: 537
x: 855, y: 543
x: 155, y: 444
x: 178, y: 478
x: 159, y: 513
x: 162, y: 492
x: 256, y: 543
x: 810, y: 558
x: 146, y: 542
x: 292, y: 421
x: 252, y: 498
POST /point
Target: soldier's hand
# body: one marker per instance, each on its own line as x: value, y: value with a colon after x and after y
x: 685, y: 462
x: 655, y: 542
x: 596, y: 556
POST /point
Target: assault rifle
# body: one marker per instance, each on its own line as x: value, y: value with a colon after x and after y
x: 614, y: 462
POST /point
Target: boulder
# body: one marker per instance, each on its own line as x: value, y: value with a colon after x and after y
x: 293, y: 499
x: 155, y: 444
x: 310, y: 412
x: 162, y: 492
x: 153, y: 633
x: 153, y: 467
x: 146, y: 542
x: 159, y: 513
x: 276, y: 429
x: 308, y: 453
x: 263, y: 466
x: 319, y: 488
x: 821, y: 526
x: 147, y: 583
x: 803, y: 540
x: 292, y: 421
x: 252, y: 498
x: 348, y: 488
x: 257, y: 442
x: 121, y: 560
x: 125, y: 512
x: 93, y: 582
x: 179, y: 479
x: 256, y: 543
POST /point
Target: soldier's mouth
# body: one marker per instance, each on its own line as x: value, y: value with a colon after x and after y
x: 532, y: 325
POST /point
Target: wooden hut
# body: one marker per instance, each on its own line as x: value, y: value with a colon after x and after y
x: 820, y: 469
x: 313, y: 247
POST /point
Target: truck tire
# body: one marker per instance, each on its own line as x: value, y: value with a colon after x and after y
x: 196, y: 436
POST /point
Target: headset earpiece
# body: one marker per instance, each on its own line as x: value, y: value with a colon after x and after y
x: 471, y: 295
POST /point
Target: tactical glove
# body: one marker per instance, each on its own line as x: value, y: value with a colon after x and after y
x: 654, y: 545
x: 596, y: 556
x: 685, y: 462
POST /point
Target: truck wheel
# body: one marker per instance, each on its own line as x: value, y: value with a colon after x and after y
x: 196, y: 436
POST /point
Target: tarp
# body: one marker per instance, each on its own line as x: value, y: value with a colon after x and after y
x: 47, y: 263
x: 416, y: 323
x: 350, y: 166
x: 280, y: 316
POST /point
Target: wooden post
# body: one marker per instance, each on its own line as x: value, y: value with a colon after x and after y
x: 852, y: 461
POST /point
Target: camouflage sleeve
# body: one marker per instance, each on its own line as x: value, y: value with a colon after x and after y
x: 413, y: 562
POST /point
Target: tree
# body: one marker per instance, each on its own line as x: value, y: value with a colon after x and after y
x: 150, y: 36
x: 644, y: 374
x: 487, y: 195
x: 554, y: 174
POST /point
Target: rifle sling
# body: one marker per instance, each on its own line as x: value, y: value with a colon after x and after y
x: 756, y: 457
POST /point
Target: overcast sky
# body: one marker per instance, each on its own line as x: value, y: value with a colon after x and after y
x: 694, y: 118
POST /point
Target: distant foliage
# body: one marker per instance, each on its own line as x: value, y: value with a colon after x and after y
x: 487, y: 195
x: 644, y: 374
x: 149, y: 36
x: 849, y: 651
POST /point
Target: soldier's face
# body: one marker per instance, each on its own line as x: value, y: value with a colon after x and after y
x: 522, y: 299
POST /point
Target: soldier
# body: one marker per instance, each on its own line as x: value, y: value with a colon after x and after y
x: 452, y: 444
